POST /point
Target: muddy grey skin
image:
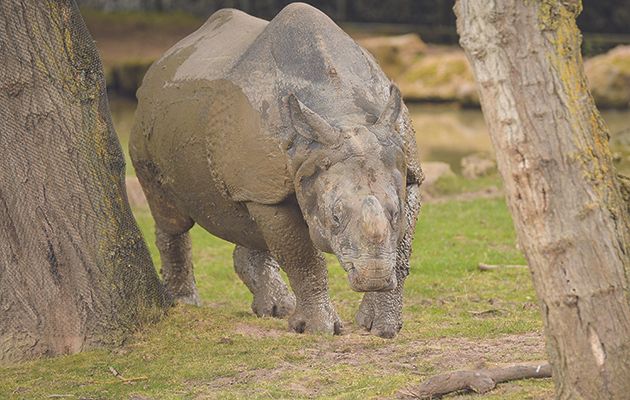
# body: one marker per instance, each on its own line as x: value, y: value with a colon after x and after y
x: 285, y: 138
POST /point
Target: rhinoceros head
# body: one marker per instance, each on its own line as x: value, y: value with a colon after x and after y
x: 350, y: 185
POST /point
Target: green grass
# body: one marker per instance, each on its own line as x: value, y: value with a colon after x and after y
x: 222, y: 351
x: 457, y: 184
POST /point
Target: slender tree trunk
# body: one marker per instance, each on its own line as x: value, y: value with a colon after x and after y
x: 552, y: 151
x: 74, y: 269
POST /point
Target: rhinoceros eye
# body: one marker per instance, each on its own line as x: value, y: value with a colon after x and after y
x: 336, y: 219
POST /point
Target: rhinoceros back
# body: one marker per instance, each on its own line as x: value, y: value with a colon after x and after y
x: 199, y: 127
x: 218, y: 96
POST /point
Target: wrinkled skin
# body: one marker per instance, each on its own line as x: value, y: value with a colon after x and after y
x: 353, y: 206
x: 284, y: 156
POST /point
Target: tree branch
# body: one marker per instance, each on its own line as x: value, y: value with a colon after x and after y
x: 480, y: 381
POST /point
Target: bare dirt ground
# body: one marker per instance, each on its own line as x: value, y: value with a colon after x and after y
x: 417, y: 357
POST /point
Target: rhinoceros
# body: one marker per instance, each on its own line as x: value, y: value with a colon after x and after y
x: 286, y: 139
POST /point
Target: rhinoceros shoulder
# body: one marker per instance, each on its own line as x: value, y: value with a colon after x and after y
x: 303, y: 52
x: 250, y: 165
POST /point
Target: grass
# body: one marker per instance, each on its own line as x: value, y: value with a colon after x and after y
x: 456, y: 184
x: 222, y: 351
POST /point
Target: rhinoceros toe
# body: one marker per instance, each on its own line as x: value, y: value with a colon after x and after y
x: 190, y: 298
x: 320, y: 318
x: 278, y: 305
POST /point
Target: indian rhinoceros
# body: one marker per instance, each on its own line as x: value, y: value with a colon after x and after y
x: 285, y: 138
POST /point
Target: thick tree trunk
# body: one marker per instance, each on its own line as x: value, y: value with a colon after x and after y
x: 74, y: 269
x: 552, y: 151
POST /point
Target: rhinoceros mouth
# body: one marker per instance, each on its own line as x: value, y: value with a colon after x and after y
x: 370, y: 280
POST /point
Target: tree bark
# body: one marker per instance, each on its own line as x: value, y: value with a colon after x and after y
x: 74, y: 269
x: 561, y: 186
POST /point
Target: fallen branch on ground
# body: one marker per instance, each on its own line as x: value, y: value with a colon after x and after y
x: 123, y: 379
x: 480, y: 381
x: 491, y: 267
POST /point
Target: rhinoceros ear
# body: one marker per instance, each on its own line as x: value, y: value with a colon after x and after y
x: 390, y: 114
x: 310, y: 125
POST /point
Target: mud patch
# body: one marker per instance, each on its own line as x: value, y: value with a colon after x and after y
x: 440, y: 354
x: 311, y: 369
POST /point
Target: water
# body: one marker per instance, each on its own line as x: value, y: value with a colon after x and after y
x: 444, y: 132
x: 448, y: 133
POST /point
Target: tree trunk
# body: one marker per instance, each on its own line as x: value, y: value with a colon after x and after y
x: 74, y: 269
x: 552, y: 151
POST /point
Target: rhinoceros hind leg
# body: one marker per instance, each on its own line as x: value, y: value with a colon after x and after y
x: 381, y: 312
x: 172, y: 238
x: 261, y: 274
x: 177, y: 268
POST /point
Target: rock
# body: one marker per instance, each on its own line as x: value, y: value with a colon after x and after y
x: 477, y: 165
x: 434, y: 170
x: 609, y: 77
x: 394, y: 53
x: 427, y: 73
x: 621, y: 140
x: 424, y: 73
x: 440, y: 76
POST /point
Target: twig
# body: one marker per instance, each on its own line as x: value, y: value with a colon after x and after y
x: 484, y: 313
x: 492, y: 267
x: 126, y: 380
x: 123, y: 379
x: 480, y: 381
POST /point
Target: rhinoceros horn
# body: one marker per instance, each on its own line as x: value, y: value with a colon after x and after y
x: 310, y: 125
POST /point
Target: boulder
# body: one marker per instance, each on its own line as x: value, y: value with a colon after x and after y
x: 609, y: 77
x: 394, y: 53
x: 477, y: 165
x: 433, y: 171
x: 440, y: 76
x: 424, y: 73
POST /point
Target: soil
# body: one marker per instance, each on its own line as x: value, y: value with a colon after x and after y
x: 356, y: 348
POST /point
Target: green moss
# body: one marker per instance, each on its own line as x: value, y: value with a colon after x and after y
x: 435, y: 70
x: 621, y: 62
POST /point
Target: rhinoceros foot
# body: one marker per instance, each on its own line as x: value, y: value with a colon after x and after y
x: 191, y: 298
x: 378, y: 315
x: 273, y: 300
x: 317, y: 318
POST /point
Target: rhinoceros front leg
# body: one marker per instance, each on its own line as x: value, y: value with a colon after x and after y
x: 287, y: 237
x: 381, y: 312
x: 261, y: 274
